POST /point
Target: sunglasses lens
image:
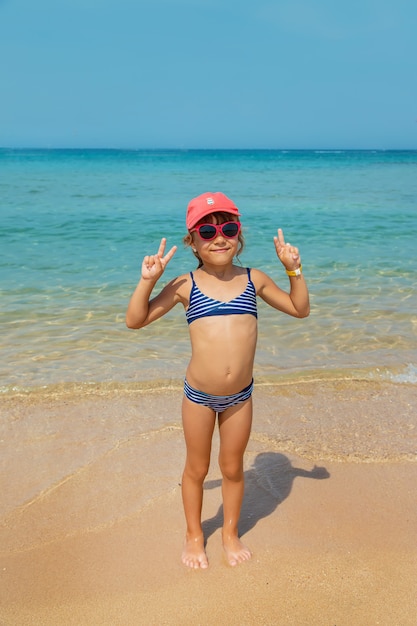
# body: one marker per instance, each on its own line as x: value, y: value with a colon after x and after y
x: 231, y: 229
x: 207, y: 231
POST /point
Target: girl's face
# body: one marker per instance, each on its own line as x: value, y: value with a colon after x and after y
x: 219, y: 243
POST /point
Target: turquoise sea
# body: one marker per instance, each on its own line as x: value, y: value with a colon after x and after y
x: 75, y: 225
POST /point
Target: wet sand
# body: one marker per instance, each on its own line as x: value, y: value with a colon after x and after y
x: 92, y: 523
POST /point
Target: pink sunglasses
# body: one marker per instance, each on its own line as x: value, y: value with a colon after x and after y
x: 211, y: 231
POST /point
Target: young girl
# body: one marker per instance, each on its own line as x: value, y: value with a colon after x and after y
x: 219, y: 299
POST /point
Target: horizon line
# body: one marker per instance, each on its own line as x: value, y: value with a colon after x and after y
x: 211, y: 149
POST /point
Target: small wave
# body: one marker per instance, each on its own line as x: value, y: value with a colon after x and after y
x: 409, y: 375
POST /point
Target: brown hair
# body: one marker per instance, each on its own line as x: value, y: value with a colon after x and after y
x: 218, y: 217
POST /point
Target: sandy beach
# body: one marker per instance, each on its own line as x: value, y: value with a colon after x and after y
x: 92, y: 522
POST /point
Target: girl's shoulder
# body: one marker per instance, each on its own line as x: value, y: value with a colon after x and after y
x: 175, y: 291
x: 262, y: 281
x: 258, y: 277
x: 181, y: 285
x: 182, y: 277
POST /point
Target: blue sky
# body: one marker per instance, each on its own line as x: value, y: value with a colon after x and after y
x: 208, y: 73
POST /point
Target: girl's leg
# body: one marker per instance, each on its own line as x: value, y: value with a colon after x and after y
x: 234, y: 427
x: 198, y: 424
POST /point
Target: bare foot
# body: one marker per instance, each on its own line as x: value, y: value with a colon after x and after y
x: 193, y: 554
x: 236, y: 551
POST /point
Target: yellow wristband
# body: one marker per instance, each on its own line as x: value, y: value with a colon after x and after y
x: 296, y: 272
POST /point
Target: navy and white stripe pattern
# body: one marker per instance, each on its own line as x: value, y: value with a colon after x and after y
x: 217, y: 403
x: 203, y: 306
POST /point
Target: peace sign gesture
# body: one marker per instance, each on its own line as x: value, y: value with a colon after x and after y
x: 287, y: 254
x: 153, y: 266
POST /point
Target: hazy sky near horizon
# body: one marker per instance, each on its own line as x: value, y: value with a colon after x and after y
x: 208, y: 73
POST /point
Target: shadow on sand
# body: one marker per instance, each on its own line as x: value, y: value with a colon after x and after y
x: 267, y: 483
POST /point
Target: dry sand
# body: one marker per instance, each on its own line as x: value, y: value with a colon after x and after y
x: 92, y: 523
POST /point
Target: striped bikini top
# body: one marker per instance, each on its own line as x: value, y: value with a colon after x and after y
x: 203, y: 306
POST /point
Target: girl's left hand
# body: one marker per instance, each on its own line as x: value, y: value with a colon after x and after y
x: 287, y: 254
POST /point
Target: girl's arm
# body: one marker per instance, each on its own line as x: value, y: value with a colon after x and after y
x: 296, y: 302
x: 141, y: 310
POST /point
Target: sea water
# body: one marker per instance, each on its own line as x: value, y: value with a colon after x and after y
x: 75, y: 225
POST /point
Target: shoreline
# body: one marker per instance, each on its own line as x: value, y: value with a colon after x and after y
x: 400, y: 374
x: 91, y: 525
x: 331, y: 416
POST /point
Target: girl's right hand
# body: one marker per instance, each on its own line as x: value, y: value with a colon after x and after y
x: 153, y: 266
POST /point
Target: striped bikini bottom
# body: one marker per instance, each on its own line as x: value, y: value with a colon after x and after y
x: 217, y: 403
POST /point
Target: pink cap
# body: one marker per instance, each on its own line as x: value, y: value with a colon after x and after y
x: 208, y: 203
